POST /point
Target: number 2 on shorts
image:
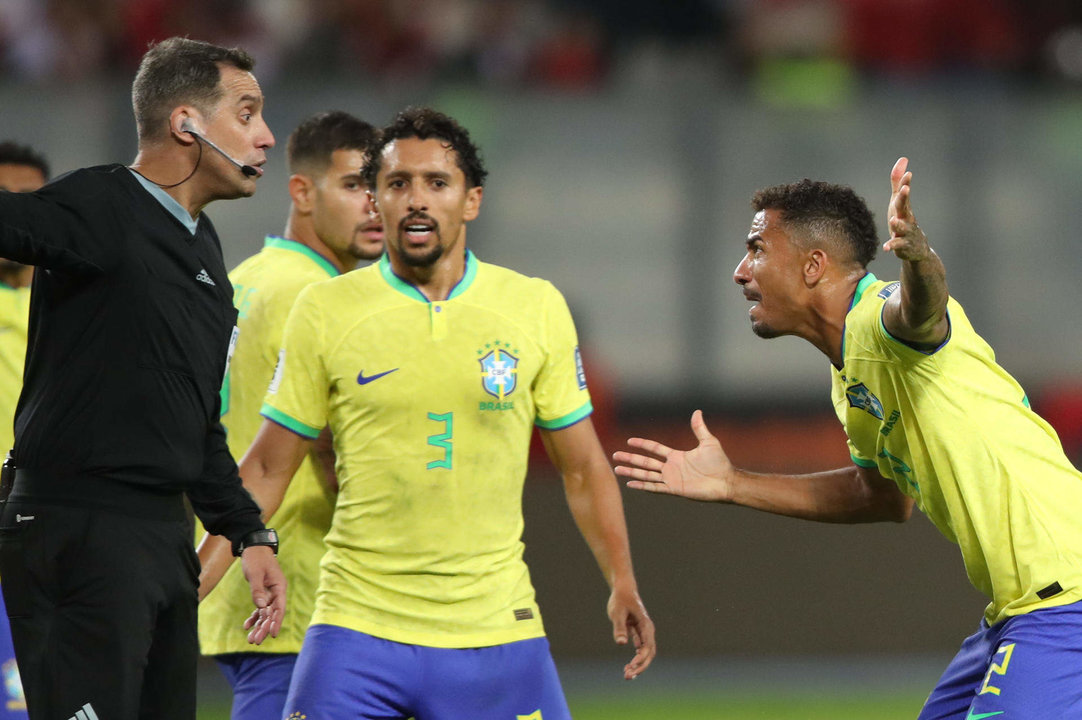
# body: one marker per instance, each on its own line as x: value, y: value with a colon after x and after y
x: 998, y: 669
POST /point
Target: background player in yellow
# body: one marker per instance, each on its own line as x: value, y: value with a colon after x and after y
x: 22, y: 169
x: 331, y: 226
x: 431, y: 369
x: 931, y: 420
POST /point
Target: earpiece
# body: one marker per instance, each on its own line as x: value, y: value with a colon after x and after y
x: 187, y: 127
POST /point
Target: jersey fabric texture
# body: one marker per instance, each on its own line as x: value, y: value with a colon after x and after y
x: 955, y: 431
x: 14, y: 316
x: 342, y: 673
x: 432, y: 405
x: 1020, y: 668
x: 264, y: 289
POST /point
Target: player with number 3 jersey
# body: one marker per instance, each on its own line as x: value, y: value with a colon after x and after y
x: 431, y: 370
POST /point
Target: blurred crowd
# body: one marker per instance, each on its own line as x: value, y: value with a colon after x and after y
x: 554, y: 44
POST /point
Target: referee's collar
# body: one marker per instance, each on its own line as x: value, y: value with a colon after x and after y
x: 168, y: 202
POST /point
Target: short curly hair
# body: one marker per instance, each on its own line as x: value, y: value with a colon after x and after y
x: 824, y: 212
x: 424, y: 123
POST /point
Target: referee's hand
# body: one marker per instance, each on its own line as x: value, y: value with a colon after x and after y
x: 268, y: 592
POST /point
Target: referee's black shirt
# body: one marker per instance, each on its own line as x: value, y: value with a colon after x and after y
x: 131, y: 318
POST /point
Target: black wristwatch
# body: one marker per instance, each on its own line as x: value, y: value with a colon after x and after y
x: 267, y: 537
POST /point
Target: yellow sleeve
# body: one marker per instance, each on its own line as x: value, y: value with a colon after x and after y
x: 559, y: 391
x: 297, y: 397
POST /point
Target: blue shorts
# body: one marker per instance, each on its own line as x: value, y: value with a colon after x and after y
x: 1028, y: 666
x: 259, y: 681
x: 343, y: 673
x: 12, y: 701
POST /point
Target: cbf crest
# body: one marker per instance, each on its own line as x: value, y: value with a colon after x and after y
x: 499, y: 369
x: 861, y: 397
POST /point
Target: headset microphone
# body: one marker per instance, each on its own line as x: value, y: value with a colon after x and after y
x: 246, y: 169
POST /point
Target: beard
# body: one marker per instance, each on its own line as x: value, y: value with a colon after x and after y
x: 420, y: 257
x: 427, y: 258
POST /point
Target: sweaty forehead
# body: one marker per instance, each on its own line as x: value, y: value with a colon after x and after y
x: 758, y: 224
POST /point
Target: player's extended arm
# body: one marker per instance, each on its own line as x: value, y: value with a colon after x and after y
x: 845, y: 495
x: 594, y: 498
x: 266, y: 470
x: 917, y: 314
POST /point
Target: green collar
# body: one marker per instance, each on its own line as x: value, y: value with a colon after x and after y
x: 861, y: 287
x: 281, y: 243
x: 411, y: 290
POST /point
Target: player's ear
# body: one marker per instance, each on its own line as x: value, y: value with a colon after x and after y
x: 815, y: 267
x: 473, y: 203
x: 302, y: 192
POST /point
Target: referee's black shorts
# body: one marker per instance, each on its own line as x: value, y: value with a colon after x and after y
x: 102, y: 607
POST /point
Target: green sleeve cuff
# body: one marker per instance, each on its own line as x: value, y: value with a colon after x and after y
x: 567, y: 420
x: 277, y: 416
x: 862, y: 462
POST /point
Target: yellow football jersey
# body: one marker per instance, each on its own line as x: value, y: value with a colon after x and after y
x: 14, y: 318
x: 432, y: 405
x: 956, y: 432
x: 264, y: 289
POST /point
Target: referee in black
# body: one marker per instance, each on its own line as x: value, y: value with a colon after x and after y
x: 131, y: 327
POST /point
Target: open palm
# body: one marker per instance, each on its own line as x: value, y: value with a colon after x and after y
x: 700, y: 474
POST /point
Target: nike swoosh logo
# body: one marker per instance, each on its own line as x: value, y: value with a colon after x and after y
x: 362, y: 380
x: 971, y: 716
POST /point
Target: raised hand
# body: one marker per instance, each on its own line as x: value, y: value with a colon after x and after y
x: 907, y: 241
x: 701, y: 474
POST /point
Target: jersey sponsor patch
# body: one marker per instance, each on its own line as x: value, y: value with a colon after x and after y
x: 888, y: 290
x: 279, y: 371
x: 580, y: 373
x: 229, y: 352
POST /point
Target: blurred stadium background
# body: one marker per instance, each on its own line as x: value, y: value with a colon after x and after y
x: 624, y: 139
